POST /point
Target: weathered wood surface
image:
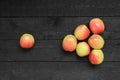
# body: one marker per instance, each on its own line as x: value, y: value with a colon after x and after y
x: 49, y: 33
x: 58, y: 71
x: 13, y: 8
x: 49, y: 21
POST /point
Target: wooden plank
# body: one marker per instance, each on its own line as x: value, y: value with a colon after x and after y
x: 51, y: 50
x: 49, y: 32
x: 59, y: 70
x: 53, y: 27
x: 4, y: 71
x: 13, y: 8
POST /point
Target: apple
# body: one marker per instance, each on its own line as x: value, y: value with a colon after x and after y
x: 82, y: 32
x: 97, y: 25
x: 69, y: 43
x: 82, y: 49
x: 96, y: 56
x: 27, y: 40
x: 96, y: 41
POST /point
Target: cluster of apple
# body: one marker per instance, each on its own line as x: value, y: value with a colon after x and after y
x: 89, y: 44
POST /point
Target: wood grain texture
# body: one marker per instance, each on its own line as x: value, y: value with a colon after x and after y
x: 51, y: 50
x: 13, y: 8
x: 49, y: 21
x: 49, y: 32
x: 53, y: 28
x: 58, y: 71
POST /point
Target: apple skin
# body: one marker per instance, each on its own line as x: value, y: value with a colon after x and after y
x: 96, y: 41
x: 27, y: 41
x: 82, y: 32
x: 82, y: 49
x: 97, y: 25
x: 96, y: 57
x: 69, y: 43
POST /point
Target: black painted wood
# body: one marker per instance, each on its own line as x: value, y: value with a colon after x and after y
x: 49, y: 21
x: 53, y: 28
x: 59, y: 8
x: 51, y: 50
x: 49, y: 32
x: 58, y: 71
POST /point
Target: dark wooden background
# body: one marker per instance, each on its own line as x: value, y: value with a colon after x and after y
x: 49, y: 21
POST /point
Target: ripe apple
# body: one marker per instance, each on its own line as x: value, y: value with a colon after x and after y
x: 96, y: 41
x: 27, y: 40
x: 96, y: 56
x: 82, y: 32
x: 82, y: 49
x: 97, y: 25
x: 69, y: 43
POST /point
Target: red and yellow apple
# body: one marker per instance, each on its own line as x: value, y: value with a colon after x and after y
x: 27, y: 40
x: 82, y: 49
x: 97, y: 25
x: 96, y: 41
x: 69, y: 43
x: 82, y: 32
x: 96, y: 56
